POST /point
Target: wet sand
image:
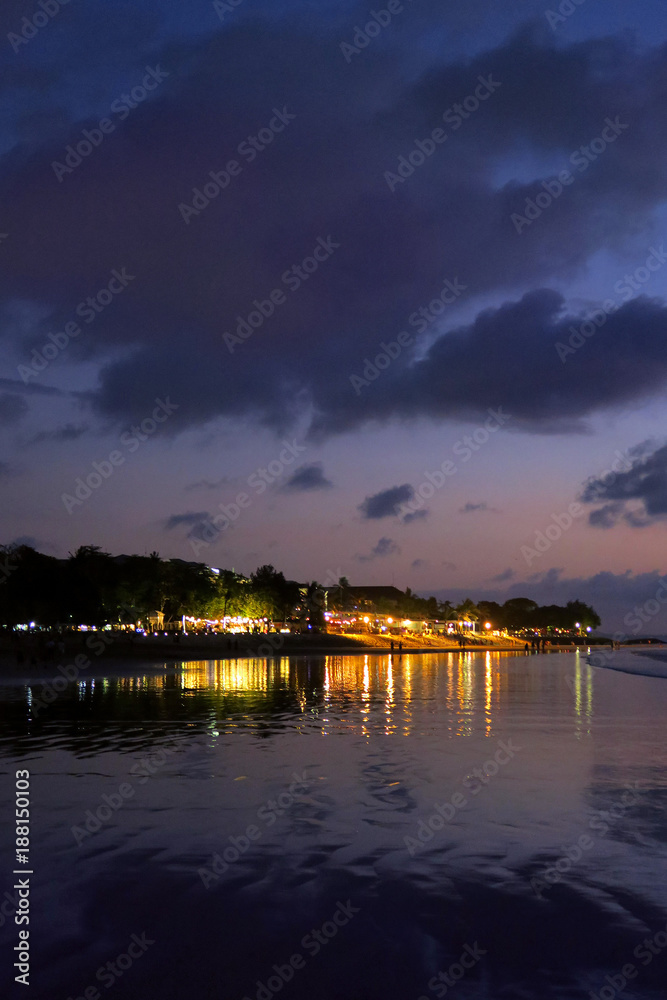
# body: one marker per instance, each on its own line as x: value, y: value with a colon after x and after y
x: 159, y: 656
x: 121, y: 648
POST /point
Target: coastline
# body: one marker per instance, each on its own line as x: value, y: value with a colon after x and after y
x: 164, y: 652
x: 160, y: 658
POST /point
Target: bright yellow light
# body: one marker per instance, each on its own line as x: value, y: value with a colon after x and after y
x: 390, y: 621
x: 487, y: 625
x: 366, y: 618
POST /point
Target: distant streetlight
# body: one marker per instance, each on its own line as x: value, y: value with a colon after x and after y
x: 487, y: 624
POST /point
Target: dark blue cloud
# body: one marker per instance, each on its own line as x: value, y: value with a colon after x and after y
x: 512, y: 343
x: 119, y: 208
x: 190, y: 518
x: 417, y: 515
x: 504, y: 577
x: 306, y: 478
x: 386, y: 503
x: 636, y: 496
x: 385, y: 547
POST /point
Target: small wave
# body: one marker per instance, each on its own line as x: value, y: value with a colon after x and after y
x: 645, y: 664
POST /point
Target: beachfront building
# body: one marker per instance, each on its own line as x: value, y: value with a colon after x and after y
x: 452, y: 626
x: 388, y: 610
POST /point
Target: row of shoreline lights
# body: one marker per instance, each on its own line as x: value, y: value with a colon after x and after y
x: 230, y: 623
x: 404, y: 623
x: 237, y: 620
x: 407, y: 622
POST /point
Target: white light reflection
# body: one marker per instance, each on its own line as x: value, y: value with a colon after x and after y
x: 365, y: 699
x: 389, y: 701
x: 407, y: 695
x: 465, y: 693
x: 583, y: 696
x: 327, y: 699
x: 451, y: 701
x: 488, y: 691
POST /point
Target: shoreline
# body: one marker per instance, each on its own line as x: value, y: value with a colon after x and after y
x: 160, y: 662
x: 167, y: 652
x: 104, y: 645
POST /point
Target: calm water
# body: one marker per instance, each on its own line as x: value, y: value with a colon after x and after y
x: 311, y: 780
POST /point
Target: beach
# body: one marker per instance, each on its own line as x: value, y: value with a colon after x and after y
x: 121, y: 646
x: 412, y: 809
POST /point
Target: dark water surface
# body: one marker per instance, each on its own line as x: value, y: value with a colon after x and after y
x: 311, y: 779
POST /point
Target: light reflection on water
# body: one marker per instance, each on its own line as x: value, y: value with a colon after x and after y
x: 382, y: 740
x: 470, y: 687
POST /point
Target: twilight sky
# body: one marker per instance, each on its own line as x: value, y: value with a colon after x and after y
x: 387, y: 303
